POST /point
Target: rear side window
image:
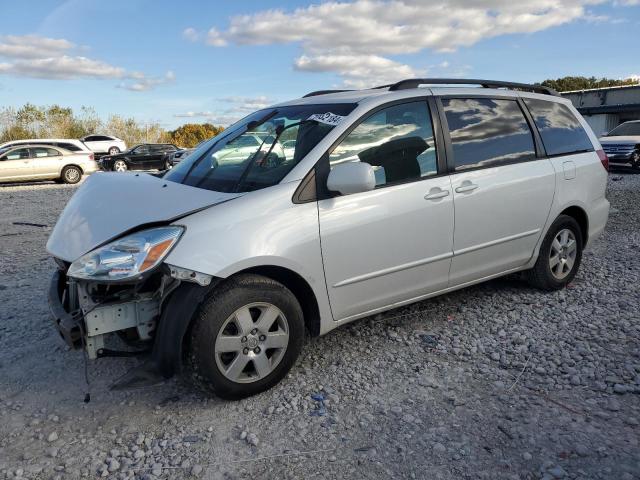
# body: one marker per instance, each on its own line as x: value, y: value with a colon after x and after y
x: 487, y: 132
x: 397, y: 142
x: 68, y: 146
x: 560, y: 130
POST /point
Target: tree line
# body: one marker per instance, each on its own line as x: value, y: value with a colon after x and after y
x: 54, y: 121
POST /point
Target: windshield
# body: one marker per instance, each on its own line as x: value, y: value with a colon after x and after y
x: 626, y: 129
x: 259, y: 150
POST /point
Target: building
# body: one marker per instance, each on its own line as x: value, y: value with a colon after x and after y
x: 606, y: 108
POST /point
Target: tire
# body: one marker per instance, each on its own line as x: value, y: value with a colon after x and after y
x: 218, y: 342
x: 114, y: 151
x: 71, y: 174
x: 635, y: 162
x: 120, y: 166
x: 566, y: 261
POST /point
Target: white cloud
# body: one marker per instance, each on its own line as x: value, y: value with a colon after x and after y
x: 191, y: 34
x: 247, y: 103
x: 358, y: 71
x: 55, y: 59
x: 63, y: 67
x: 354, y: 38
x: 143, y: 83
x: 193, y: 114
x: 215, y: 39
x: 33, y: 46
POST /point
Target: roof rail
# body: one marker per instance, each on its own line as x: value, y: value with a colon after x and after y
x: 324, y: 92
x: 416, y: 82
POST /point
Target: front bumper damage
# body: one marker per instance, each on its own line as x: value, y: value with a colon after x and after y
x: 155, y: 314
x: 81, y: 321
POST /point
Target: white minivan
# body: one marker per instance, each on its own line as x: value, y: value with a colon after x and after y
x: 386, y: 196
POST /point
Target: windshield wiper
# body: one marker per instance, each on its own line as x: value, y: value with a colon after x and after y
x: 279, y: 131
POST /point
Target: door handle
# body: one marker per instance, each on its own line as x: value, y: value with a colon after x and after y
x: 436, y: 193
x: 466, y: 186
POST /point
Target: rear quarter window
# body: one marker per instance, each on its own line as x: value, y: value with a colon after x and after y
x: 561, y: 132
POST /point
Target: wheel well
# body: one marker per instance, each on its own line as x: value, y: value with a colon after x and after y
x: 300, y: 288
x: 579, y: 216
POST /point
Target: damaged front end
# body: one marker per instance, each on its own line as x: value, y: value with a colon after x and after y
x: 85, y: 313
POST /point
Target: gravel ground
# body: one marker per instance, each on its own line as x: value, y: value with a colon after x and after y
x: 494, y: 381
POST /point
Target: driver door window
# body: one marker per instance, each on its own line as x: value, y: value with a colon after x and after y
x: 18, y: 154
x: 397, y: 142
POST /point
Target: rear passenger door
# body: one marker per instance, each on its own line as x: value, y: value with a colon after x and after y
x: 394, y: 243
x: 502, y: 186
x: 45, y: 162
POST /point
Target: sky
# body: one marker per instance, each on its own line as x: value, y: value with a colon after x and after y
x: 216, y: 61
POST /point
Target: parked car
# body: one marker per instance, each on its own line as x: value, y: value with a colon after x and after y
x: 622, y: 145
x: 104, y: 144
x: 44, y: 162
x: 173, y: 158
x: 146, y: 156
x: 226, y: 264
x: 65, y: 143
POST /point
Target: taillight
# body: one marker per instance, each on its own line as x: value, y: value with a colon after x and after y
x: 91, y: 156
x: 604, y: 159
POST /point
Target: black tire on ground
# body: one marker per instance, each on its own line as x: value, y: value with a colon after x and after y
x: 635, y: 161
x: 227, y: 298
x: 71, y: 174
x: 114, y: 151
x: 541, y: 275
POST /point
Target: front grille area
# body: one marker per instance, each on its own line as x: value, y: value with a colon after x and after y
x: 616, y: 149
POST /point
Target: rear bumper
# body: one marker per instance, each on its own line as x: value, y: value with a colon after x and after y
x: 64, y: 322
x: 598, y: 216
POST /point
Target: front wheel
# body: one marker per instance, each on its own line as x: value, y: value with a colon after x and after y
x: 559, y: 257
x: 635, y: 161
x: 245, y: 337
x: 120, y: 166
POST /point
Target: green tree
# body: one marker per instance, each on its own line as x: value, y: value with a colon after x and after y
x: 191, y: 134
x: 566, y: 84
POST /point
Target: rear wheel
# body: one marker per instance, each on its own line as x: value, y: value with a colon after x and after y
x: 114, y: 151
x: 245, y: 337
x: 560, y: 255
x: 71, y: 174
x: 120, y: 166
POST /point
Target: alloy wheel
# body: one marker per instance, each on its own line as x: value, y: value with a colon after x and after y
x: 71, y: 175
x: 120, y: 166
x: 562, y: 257
x: 252, y: 342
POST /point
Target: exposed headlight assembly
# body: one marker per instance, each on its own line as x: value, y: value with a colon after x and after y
x: 127, y: 258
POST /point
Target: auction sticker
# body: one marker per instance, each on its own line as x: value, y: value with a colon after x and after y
x: 327, y: 118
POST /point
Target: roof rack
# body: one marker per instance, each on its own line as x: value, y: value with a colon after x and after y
x: 416, y: 82
x: 324, y: 92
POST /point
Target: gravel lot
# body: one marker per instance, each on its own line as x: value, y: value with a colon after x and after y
x: 495, y: 381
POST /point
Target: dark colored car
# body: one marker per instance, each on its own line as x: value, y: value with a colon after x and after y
x: 146, y: 156
x: 173, y: 158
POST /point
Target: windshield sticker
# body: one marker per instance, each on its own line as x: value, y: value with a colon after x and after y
x: 328, y: 118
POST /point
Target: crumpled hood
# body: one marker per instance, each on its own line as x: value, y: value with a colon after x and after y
x: 109, y: 204
x: 620, y: 140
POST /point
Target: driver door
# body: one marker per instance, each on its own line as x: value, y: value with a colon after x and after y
x: 16, y: 165
x: 393, y: 244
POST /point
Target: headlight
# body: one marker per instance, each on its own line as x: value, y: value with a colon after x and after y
x: 128, y: 257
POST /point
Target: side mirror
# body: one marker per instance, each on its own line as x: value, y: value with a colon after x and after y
x: 351, y: 177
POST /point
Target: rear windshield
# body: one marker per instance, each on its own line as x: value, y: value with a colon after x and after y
x: 259, y: 150
x: 630, y: 129
x: 561, y: 132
